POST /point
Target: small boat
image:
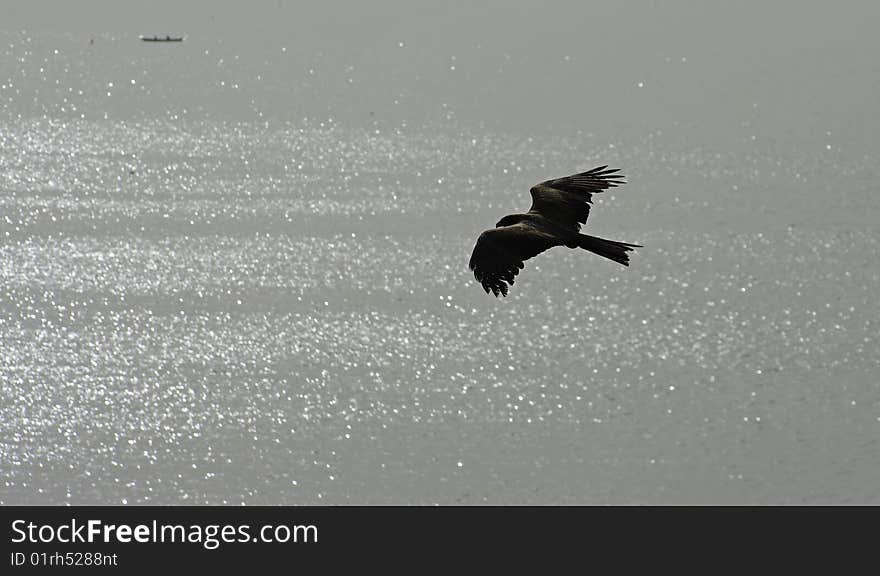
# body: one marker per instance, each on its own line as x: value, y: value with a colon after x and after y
x: 160, y: 39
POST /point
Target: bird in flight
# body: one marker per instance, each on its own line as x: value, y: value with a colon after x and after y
x: 559, y: 207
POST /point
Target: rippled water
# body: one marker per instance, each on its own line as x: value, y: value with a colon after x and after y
x: 198, y: 310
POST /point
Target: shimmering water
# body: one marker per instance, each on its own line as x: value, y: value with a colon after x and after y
x: 199, y: 308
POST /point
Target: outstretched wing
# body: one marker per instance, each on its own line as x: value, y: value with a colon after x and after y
x: 500, y: 252
x: 566, y: 201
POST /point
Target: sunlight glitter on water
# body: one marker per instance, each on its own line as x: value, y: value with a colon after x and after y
x: 190, y: 316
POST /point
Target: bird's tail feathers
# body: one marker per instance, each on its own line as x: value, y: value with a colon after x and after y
x: 610, y: 249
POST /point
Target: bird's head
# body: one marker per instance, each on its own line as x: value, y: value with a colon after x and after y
x: 509, y: 220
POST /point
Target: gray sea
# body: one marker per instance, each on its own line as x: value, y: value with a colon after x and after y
x: 233, y: 270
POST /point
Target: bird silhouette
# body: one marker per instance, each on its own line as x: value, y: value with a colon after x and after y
x: 559, y: 208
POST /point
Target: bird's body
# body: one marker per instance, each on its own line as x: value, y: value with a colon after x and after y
x: 559, y: 208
